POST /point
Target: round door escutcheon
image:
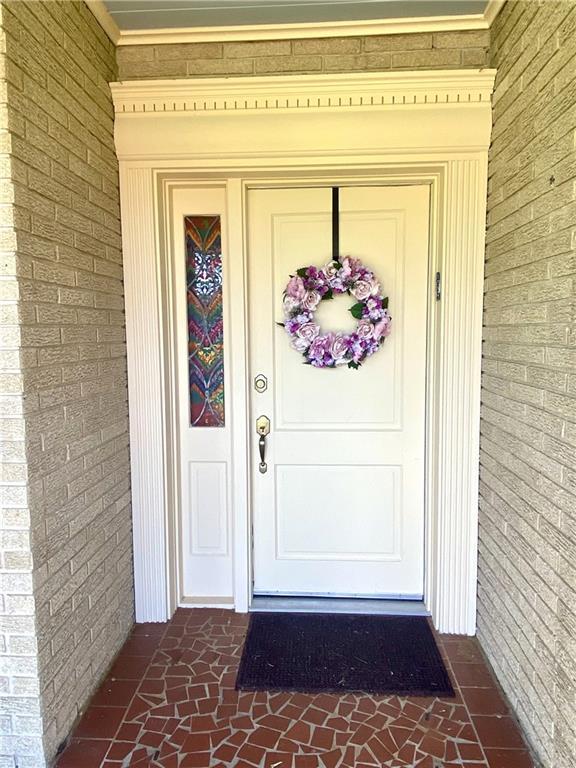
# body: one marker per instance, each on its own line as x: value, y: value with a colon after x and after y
x: 260, y: 383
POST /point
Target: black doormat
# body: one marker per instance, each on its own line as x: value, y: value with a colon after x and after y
x: 342, y: 652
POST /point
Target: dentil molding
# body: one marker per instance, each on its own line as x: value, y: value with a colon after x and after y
x: 304, y: 92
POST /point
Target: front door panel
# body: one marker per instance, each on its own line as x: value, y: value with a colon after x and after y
x: 340, y: 509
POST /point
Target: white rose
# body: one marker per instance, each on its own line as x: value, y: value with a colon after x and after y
x: 361, y: 290
x: 375, y: 287
x: 290, y: 304
x: 299, y: 344
x: 330, y: 269
x: 311, y: 300
x: 339, y: 348
x: 364, y: 329
x: 308, y: 332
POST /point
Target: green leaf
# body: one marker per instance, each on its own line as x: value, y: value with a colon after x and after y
x: 338, y: 265
x: 357, y: 310
x: 280, y: 324
x: 328, y: 295
x: 385, y: 302
x: 302, y: 271
x: 353, y: 365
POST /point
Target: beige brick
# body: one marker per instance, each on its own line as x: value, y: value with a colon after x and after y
x: 474, y: 57
x: 186, y: 52
x: 529, y: 298
x: 463, y: 40
x: 364, y: 61
x: 327, y: 46
x: 252, y: 50
x: 58, y: 164
x: 398, y: 42
x: 219, y: 67
x: 272, y: 64
x: 434, y: 59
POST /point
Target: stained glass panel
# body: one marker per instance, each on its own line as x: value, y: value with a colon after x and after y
x: 205, y: 324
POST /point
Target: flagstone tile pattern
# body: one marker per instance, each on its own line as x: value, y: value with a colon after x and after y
x: 169, y: 702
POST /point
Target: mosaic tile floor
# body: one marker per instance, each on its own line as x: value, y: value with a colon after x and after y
x: 169, y: 702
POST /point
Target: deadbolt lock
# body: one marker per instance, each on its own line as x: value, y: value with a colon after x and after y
x: 260, y: 383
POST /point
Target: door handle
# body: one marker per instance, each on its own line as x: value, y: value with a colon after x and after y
x: 262, y: 429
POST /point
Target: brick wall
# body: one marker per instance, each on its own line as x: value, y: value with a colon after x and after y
x: 67, y: 373
x: 443, y: 50
x: 527, y: 581
x: 20, y: 722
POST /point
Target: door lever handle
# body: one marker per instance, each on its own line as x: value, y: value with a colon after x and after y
x: 262, y: 429
x: 262, y: 448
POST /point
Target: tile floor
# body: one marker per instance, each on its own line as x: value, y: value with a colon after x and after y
x: 169, y: 702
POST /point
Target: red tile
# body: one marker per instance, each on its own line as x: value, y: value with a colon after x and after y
x: 115, y: 693
x: 120, y: 749
x: 129, y: 667
x: 470, y: 751
x: 484, y: 701
x: 197, y: 742
x: 184, y: 704
x: 140, y: 645
x: 100, y: 722
x: 88, y: 753
x: 498, y: 732
x: 472, y: 675
x: 509, y: 758
x: 278, y: 760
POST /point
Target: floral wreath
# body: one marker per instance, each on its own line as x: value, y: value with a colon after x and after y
x: 309, y: 287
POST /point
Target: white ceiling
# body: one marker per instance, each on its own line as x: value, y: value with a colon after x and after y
x: 158, y: 14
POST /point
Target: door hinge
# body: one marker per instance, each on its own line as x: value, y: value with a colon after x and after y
x: 438, y: 286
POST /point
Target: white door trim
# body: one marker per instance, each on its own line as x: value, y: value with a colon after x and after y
x: 400, y: 127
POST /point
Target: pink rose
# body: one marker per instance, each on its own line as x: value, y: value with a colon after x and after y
x: 311, y: 300
x: 383, y: 327
x: 330, y: 269
x: 308, y: 332
x: 295, y: 288
x: 339, y: 348
x: 364, y: 329
x: 361, y: 290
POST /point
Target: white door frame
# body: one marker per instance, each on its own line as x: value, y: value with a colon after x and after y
x: 417, y: 127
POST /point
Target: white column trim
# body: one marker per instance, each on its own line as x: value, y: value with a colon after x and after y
x: 145, y: 394
x: 455, y: 534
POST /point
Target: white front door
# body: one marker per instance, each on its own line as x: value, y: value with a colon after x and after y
x: 340, y: 509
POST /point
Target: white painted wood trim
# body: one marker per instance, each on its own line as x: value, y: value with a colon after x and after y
x: 304, y: 92
x: 145, y: 394
x: 454, y: 534
x: 492, y: 10
x: 400, y: 26
x: 458, y: 173
x: 105, y: 19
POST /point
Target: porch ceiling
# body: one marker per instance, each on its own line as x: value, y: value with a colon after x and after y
x: 162, y: 14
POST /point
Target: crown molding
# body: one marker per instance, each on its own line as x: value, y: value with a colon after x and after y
x: 239, y: 33
x: 301, y: 92
x: 105, y: 19
x: 492, y: 10
x: 299, y: 31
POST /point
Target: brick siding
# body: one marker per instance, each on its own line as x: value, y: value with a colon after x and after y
x: 442, y: 50
x: 527, y: 575
x: 66, y: 568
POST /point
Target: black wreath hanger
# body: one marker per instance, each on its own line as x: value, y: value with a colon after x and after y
x: 335, y: 223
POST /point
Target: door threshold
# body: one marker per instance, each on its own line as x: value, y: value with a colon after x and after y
x: 268, y: 604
